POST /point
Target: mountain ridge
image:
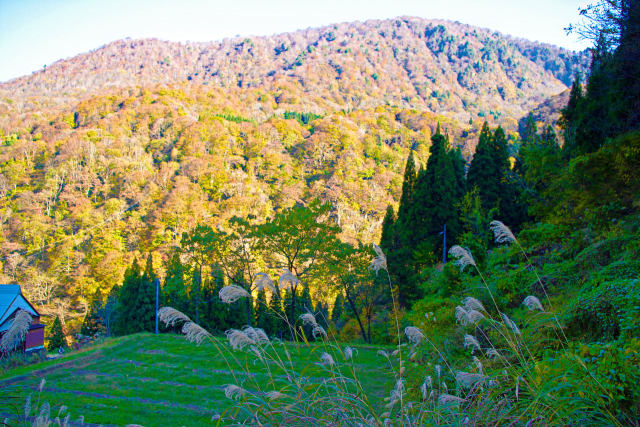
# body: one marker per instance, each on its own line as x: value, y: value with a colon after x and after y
x: 436, y: 65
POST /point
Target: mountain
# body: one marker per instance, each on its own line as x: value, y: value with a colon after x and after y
x: 115, y: 153
x: 440, y: 66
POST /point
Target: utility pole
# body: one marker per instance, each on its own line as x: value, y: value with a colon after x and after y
x: 444, y: 246
x: 157, y: 282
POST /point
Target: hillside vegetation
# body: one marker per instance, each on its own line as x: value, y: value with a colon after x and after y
x: 439, y: 66
x: 506, y: 275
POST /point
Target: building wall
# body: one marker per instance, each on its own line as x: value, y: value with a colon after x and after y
x: 34, y: 339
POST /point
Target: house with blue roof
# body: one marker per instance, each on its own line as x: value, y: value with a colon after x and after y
x: 12, y: 301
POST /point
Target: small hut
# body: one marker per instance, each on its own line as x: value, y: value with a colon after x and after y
x: 12, y: 301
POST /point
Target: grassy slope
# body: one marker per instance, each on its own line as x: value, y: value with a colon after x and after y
x: 157, y: 380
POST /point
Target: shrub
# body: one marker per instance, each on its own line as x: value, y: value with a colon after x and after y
x: 606, y: 311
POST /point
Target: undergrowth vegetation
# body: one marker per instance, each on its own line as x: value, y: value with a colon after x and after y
x: 485, y: 361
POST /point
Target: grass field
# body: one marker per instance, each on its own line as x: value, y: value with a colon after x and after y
x: 160, y: 380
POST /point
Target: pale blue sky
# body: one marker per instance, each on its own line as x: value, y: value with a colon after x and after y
x: 38, y: 32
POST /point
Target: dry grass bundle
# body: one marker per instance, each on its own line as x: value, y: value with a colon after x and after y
x: 532, y: 303
x: 380, y: 260
x: 263, y: 281
x: 463, y: 256
x: 16, y: 332
x: 232, y: 293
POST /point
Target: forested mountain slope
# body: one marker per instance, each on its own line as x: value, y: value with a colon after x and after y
x: 115, y: 153
x: 440, y: 66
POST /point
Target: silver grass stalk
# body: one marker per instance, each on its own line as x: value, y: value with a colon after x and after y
x: 445, y: 399
x: 326, y: 359
x: 511, y: 324
x: 318, y: 331
x: 478, y: 364
x: 232, y: 293
x: 194, y: 332
x: 379, y: 262
x: 287, y: 280
x: 415, y: 335
x: 234, y: 392
x: 461, y: 314
x: 45, y: 411
x: 170, y: 316
x: 425, y: 387
x: 533, y: 303
x: 438, y: 370
x: 396, y: 393
x: 238, y: 339
x: 263, y: 281
x: 27, y: 406
x: 471, y: 303
x: 463, y: 256
x: 348, y: 353
x: 383, y: 353
x: 42, y: 383
x: 272, y: 395
x: 501, y: 232
x: 256, y: 334
x: 16, y: 332
x: 471, y: 341
x: 308, y: 319
x: 473, y: 317
x: 492, y: 353
x: 468, y: 379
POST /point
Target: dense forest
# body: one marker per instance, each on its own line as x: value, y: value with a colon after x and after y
x: 93, y: 178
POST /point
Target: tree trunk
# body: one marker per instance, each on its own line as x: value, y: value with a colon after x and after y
x: 357, y: 315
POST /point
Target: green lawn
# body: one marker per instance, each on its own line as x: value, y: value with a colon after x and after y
x: 164, y: 380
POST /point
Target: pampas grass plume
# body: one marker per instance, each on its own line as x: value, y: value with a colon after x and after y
x: 501, y: 232
x: 287, y: 279
x: 234, y: 392
x: 533, y: 303
x: 511, y: 324
x: 471, y: 303
x: 380, y: 261
x: 232, y: 293
x: 170, y: 316
x: 463, y: 256
x: 415, y: 335
x: 195, y: 333
x: 444, y: 399
x: 327, y: 359
x: 308, y: 319
x: 471, y: 341
x: 318, y: 331
x: 16, y: 332
x: 238, y: 339
x: 264, y: 281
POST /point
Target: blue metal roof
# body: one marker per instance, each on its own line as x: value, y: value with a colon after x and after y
x: 11, y: 299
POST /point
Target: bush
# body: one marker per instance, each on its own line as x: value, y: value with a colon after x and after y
x: 606, y: 311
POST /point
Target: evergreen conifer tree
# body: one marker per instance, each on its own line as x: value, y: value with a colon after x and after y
x: 174, y: 291
x: 219, y: 310
x: 126, y: 317
x: 92, y: 323
x: 338, y: 310
x: 263, y: 319
x: 278, y: 325
x: 145, y: 306
x: 388, y: 236
x: 56, y: 339
x: 481, y: 170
